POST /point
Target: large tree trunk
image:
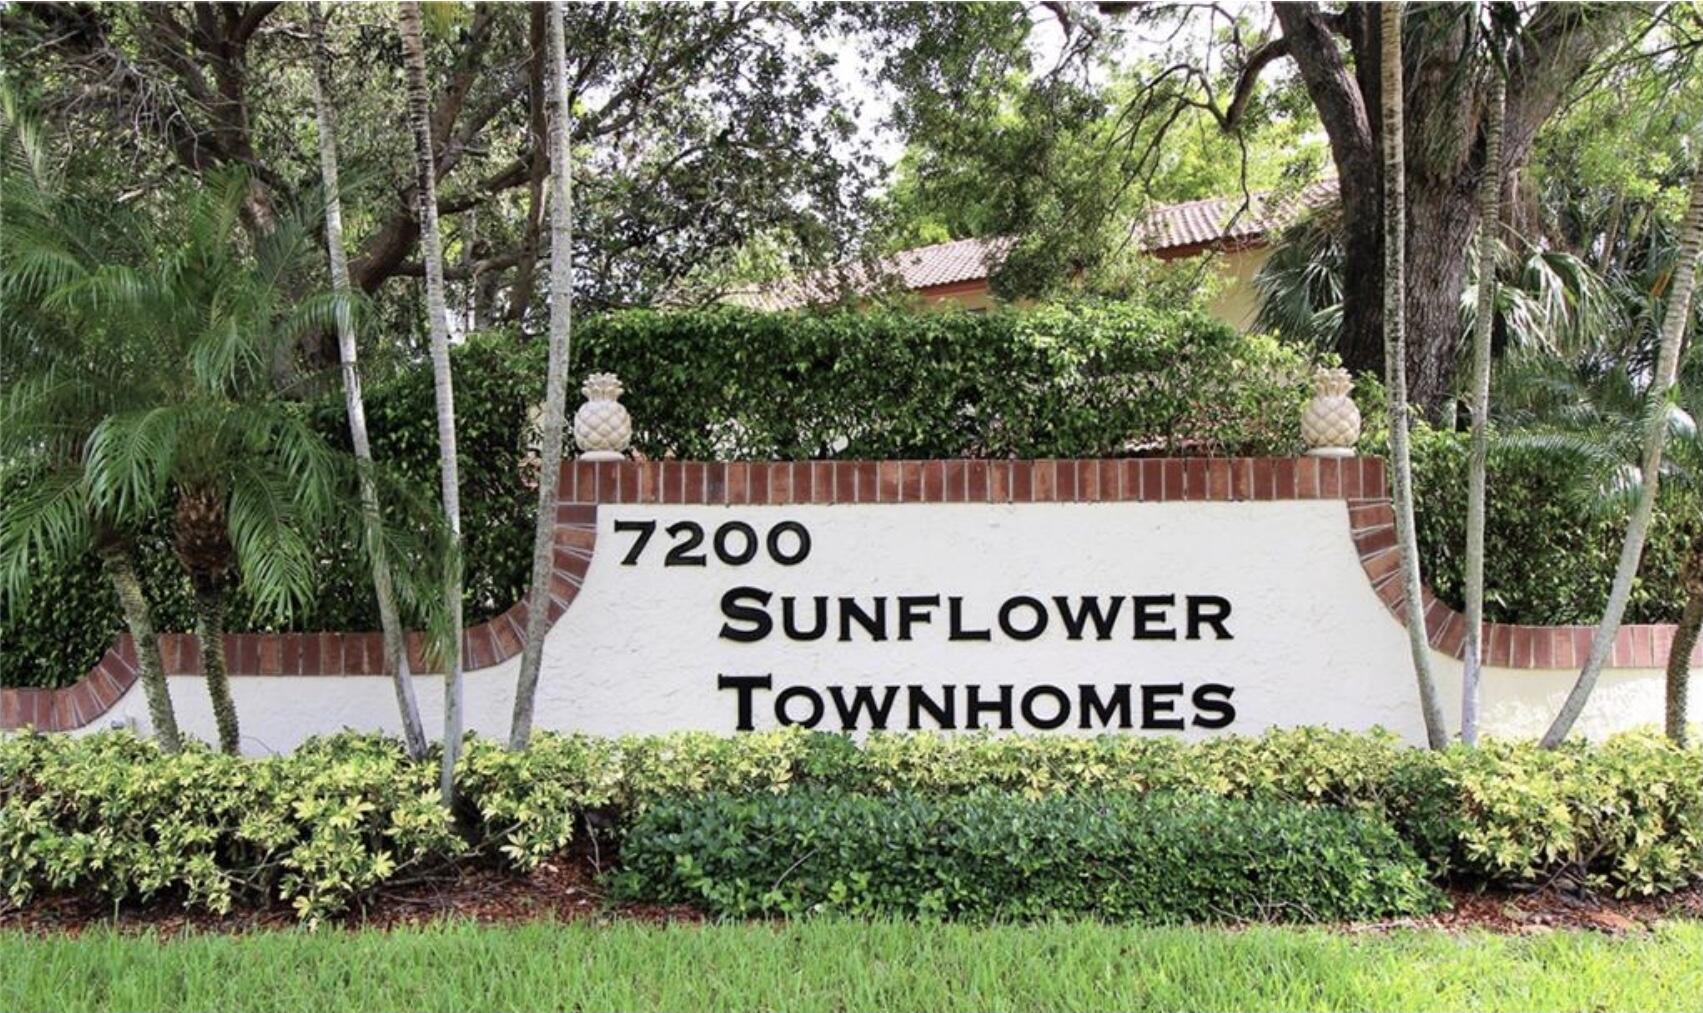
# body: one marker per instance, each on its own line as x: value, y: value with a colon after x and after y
x: 1684, y: 642
x: 1489, y: 199
x: 437, y: 313
x: 555, y: 386
x: 1655, y: 438
x: 139, y: 619
x: 1559, y: 41
x: 1395, y: 350
x: 395, y: 652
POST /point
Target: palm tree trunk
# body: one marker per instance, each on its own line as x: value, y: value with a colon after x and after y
x: 139, y: 618
x: 437, y: 319
x: 555, y: 385
x: 1395, y: 368
x: 1684, y: 642
x: 395, y: 654
x: 210, y: 632
x: 1655, y: 437
x: 1489, y: 219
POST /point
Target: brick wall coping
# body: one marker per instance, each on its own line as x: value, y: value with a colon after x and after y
x: 1359, y: 481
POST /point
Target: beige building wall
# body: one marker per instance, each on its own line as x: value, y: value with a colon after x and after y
x: 1237, y: 301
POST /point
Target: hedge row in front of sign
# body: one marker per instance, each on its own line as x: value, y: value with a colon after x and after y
x: 108, y: 816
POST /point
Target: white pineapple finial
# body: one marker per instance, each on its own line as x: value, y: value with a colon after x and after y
x: 602, y: 428
x: 1331, y: 422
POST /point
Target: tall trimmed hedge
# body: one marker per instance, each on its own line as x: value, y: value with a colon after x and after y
x: 1549, y: 557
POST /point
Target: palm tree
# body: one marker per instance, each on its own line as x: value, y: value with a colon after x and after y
x: 1591, y: 419
x: 63, y: 372
x: 437, y: 316
x: 1395, y: 368
x: 1654, y: 439
x: 247, y: 478
x: 395, y: 654
x: 1489, y: 218
x: 556, y: 381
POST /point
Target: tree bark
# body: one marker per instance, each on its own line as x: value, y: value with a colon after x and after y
x: 1655, y: 438
x: 437, y: 313
x: 210, y: 633
x: 520, y: 295
x: 139, y: 619
x: 395, y: 652
x: 1560, y: 42
x: 556, y: 382
x: 1489, y: 200
x: 1395, y: 365
x: 1684, y: 642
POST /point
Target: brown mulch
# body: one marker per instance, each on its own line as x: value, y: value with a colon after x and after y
x: 568, y: 889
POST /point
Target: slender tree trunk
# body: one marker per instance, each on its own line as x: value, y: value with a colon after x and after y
x: 139, y: 619
x: 525, y: 275
x: 556, y: 382
x: 437, y: 313
x: 395, y: 652
x: 1684, y: 642
x: 1655, y: 437
x: 1395, y: 366
x: 210, y: 632
x: 1489, y: 218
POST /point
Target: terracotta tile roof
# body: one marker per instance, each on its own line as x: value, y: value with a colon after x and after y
x: 1172, y: 228
x: 1230, y: 220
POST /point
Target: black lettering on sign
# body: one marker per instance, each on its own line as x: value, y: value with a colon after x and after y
x: 791, y: 693
x: 800, y: 539
x: 756, y: 616
x: 1060, y: 707
x: 1087, y: 610
x: 955, y: 624
x: 1208, y: 610
x: 747, y: 543
x: 863, y: 700
x: 744, y: 685
x: 1037, y: 625
x: 944, y: 713
x: 1149, y: 610
x: 1112, y: 713
x: 1214, y: 699
x: 1157, y: 703
x: 977, y: 706
x: 681, y: 554
x: 789, y: 623
x: 645, y: 530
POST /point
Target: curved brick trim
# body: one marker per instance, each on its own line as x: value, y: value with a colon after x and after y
x: 1505, y: 644
x: 584, y: 485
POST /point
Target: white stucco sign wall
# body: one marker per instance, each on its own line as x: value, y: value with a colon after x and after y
x: 1178, y: 617
x: 1179, y: 597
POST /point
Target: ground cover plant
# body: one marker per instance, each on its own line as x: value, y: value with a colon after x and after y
x: 827, y: 964
x: 321, y: 830
x: 1143, y: 858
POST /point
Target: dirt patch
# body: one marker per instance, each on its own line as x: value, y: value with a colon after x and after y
x: 1540, y: 911
x: 568, y: 888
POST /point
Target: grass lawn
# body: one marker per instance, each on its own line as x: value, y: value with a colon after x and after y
x: 843, y: 965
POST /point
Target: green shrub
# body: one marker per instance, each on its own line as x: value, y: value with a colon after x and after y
x: 1625, y: 816
x: 1082, y: 379
x: 996, y: 855
x: 1548, y: 558
x: 109, y: 815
